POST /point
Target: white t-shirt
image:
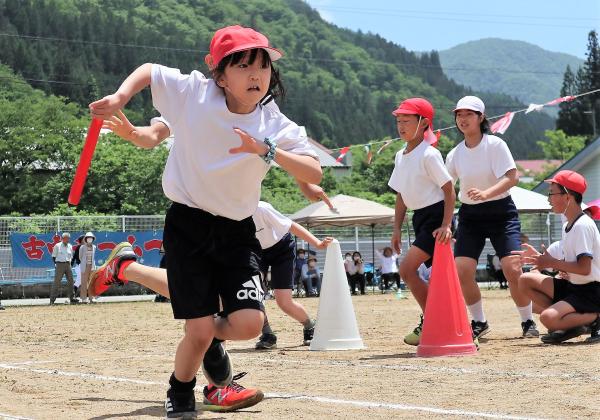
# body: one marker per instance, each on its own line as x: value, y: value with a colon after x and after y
x: 583, y: 239
x: 271, y: 225
x: 480, y: 167
x: 419, y: 175
x: 200, y: 172
x: 388, y: 264
x: 555, y: 250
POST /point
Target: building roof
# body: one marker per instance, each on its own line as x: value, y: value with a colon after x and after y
x: 536, y: 166
x: 324, y: 155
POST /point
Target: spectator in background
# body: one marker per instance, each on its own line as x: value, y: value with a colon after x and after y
x: 298, y: 264
x: 347, y: 261
x: 62, y: 254
x: 76, y: 265
x: 388, y: 261
x: 356, y: 271
x: 311, y: 277
x: 87, y: 254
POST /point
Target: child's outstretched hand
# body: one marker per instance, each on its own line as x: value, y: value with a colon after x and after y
x: 249, y: 144
x: 325, y: 242
x: 106, y: 107
x: 120, y: 125
x: 527, y: 252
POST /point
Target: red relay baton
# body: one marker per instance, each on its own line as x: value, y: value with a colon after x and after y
x: 84, y: 161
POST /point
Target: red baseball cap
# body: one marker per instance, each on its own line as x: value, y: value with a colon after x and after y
x: 593, y: 209
x: 232, y: 39
x: 416, y: 106
x: 570, y: 180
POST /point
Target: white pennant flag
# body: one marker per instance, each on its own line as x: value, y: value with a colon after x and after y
x: 534, y: 107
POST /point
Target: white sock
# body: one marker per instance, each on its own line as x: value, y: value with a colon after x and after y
x: 526, y: 312
x: 476, y: 311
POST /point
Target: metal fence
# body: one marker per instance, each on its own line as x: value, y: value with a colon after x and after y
x: 59, y: 224
x: 539, y: 227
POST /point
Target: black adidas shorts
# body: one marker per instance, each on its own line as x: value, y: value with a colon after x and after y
x: 211, y: 257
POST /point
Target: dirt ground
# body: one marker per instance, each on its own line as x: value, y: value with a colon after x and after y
x: 112, y: 361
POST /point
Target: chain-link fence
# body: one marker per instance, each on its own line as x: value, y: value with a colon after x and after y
x: 539, y: 227
x: 11, y: 276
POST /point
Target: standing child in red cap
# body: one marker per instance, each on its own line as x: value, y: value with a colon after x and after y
x: 214, y: 183
x: 423, y: 185
x: 486, y: 171
x: 568, y: 305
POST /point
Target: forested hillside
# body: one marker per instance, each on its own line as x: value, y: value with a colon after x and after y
x: 526, y: 71
x: 342, y: 84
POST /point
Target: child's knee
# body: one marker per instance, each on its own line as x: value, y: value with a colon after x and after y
x: 407, y: 271
x: 198, y: 334
x: 549, y: 319
x: 247, y: 324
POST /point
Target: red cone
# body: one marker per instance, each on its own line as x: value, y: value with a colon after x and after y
x: 446, y: 329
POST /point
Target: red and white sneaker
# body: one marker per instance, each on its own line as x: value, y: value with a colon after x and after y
x: 233, y: 397
x: 107, y: 274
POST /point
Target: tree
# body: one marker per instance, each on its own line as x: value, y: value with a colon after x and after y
x: 561, y: 146
x: 579, y: 117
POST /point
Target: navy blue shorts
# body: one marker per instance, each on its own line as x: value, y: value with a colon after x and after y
x: 585, y: 298
x: 425, y: 221
x: 497, y: 220
x: 280, y: 257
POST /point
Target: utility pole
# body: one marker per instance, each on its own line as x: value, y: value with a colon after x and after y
x: 593, y: 114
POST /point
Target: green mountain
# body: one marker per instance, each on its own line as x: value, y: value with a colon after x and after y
x: 517, y: 68
x: 342, y: 85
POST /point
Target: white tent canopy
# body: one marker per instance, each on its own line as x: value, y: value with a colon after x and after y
x: 352, y: 211
x: 528, y: 201
x: 349, y: 211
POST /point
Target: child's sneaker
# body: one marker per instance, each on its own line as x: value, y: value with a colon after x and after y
x: 414, y: 337
x: 594, y: 331
x: 557, y: 337
x: 266, y: 342
x: 217, y: 366
x: 233, y: 397
x: 181, y: 405
x: 107, y: 274
x: 308, y: 335
x: 479, y: 328
x: 529, y: 329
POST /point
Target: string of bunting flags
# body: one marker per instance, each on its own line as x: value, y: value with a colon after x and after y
x: 500, y: 126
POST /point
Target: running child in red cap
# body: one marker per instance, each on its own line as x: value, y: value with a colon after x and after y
x: 423, y: 185
x: 486, y: 171
x: 568, y: 305
x: 214, y: 183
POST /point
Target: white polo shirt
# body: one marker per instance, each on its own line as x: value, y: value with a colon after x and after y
x: 480, y: 167
x: 583, y: 239
x: 271, y: 225
x: 200, y: 172
x: 419, y: 175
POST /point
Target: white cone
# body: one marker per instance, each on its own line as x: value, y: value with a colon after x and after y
x: 336, y: 322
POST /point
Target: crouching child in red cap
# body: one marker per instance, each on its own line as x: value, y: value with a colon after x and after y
x: 569, y: 307
x: 422, y: 184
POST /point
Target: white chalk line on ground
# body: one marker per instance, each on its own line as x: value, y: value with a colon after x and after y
x: 300, y: 397
x: 260, y: 357
x: 9, y: 417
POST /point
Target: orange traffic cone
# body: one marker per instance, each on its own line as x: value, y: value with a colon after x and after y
x: 446, y: 329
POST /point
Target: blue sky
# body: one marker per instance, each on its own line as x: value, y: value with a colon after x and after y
x: 555, y: 25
